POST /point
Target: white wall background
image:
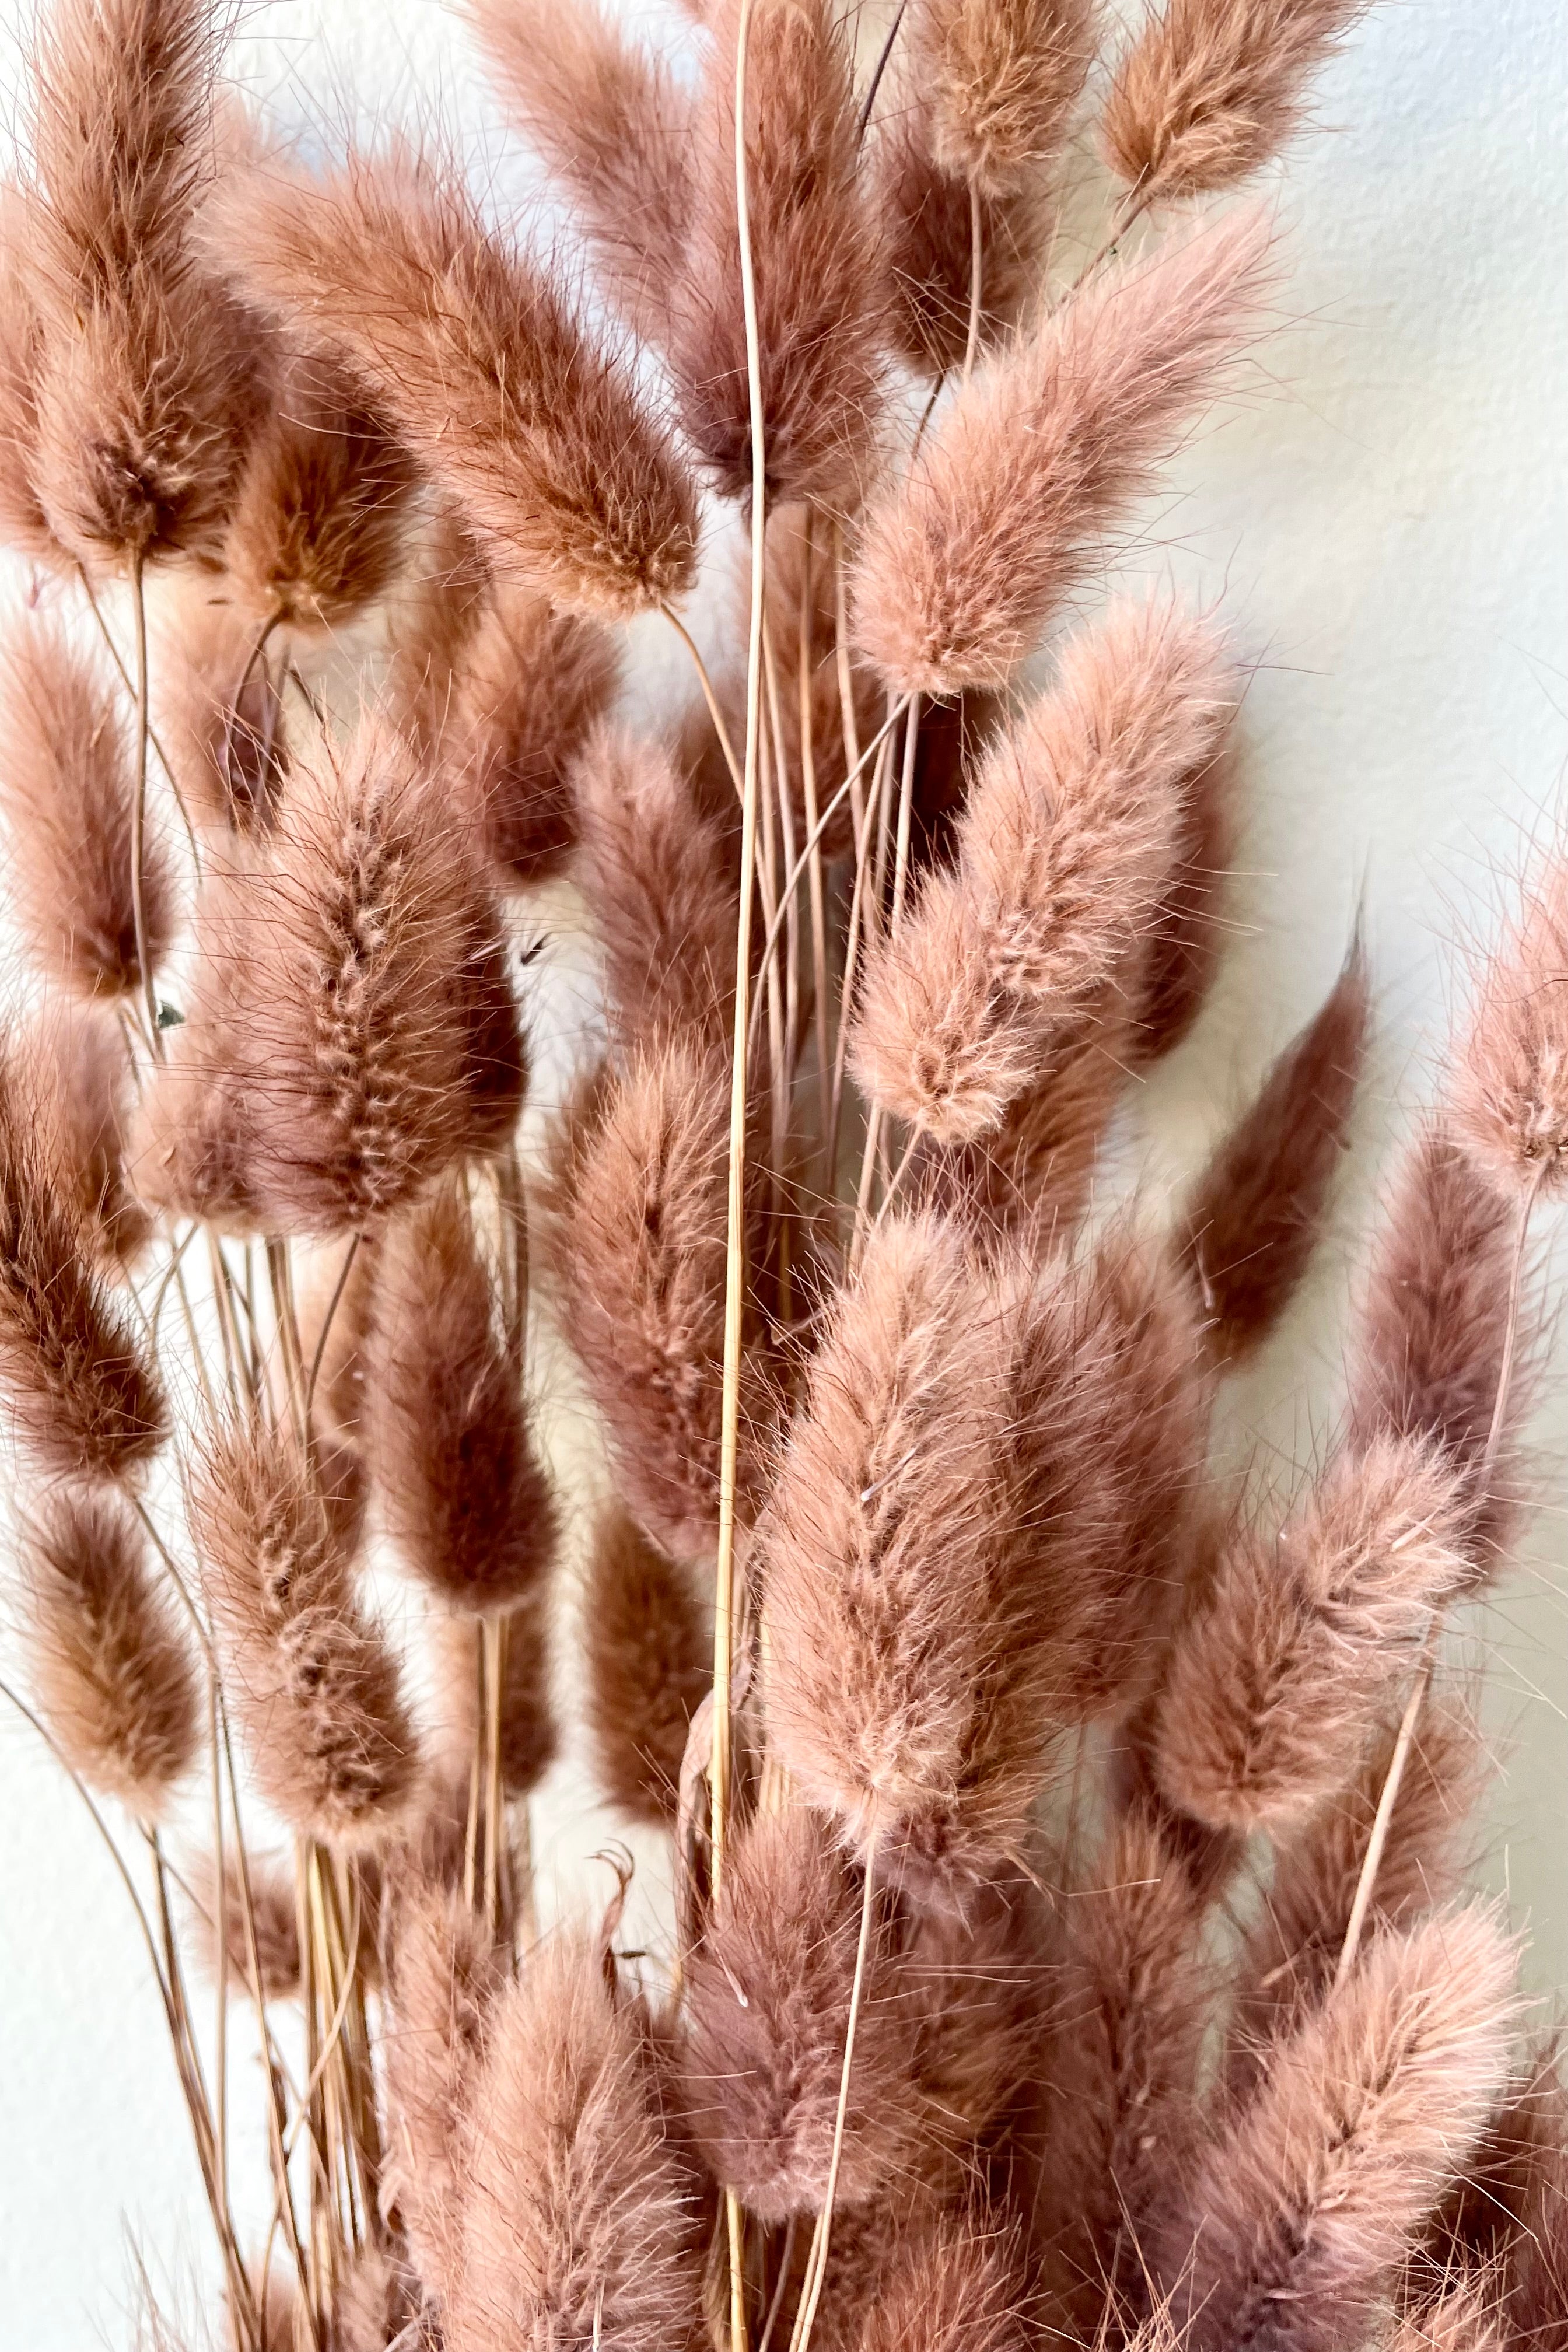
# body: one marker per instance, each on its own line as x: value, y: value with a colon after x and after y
x: 1384, y: 516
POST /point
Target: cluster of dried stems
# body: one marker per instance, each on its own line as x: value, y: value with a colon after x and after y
x: 1068, y: 1840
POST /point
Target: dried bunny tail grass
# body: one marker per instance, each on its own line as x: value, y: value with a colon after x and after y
x: 1256, y: 1212
x: 523, y: 699
x: 220, y: 720
x: 443, y: 1980
x: 1287, y: 1964
x: 1121, y: 2115
x: 767, y: 1993
x: 1186, y: 938
x: 648, y: 1655
x: 67, y: 792
x: 1065, y: 848
x: 1298, y: 2214
x: 637, y: 1248
x: 578, y: 2222
x: 81, y: 1067
x: 657, y: 876
x: 497, y: 388
x: 1464, y: 2318
x: 375, y: 1004
x: 464, y: 1493
x: 267, y: 1889
x: 877, y: 1557
x: 1031, y: 1174
x: 82, y: 1398
x: 313, y: 1683
x: 1276, y: 1679
x: 146, y: 387
x: 320, y: 516
x: 1429, y: 1342
x: 953, y: 2286
x: 110, y: 1664
x: 528, y: 1732
x: 1004, y: 77
x: 23, y: 526
x: 927, y: 237
x: 814, y: 241
x: 614, y: 129
x: 962, y: 563
x: 1510, y: 1087
x: 1506, y: 2216
x: 1211, y: 88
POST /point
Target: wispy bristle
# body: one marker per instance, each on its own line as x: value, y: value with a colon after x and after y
x: 657, y: 882
x: 23, y: 526
x: 1003, y: 78
x: 768, y: 1991
x: 78, y: 1056
x: 650, y: 1659
x: 1274, y: 1683
x: 313, y: 1684
x: 814, y: 243
x: 1510, y: 1084
x: 316, y: 530
x: 963, y: 563
x: 1256, y: 1212
x: 1466, y: 2318
x: 500, y: 391
x: 82, y: 1398
x: 1427, y: 1350
x: 465, y: 1496
x: 638, y: 1248
x: 146, y: 388
x: 956, y: 2286
x: 110, y: 1664
x: 67, y: 789
x: 578, y: 2220
x: 1211, y: 88
x: 614, y: 127
x: 267, y: 1889
x: 1065, y: 846
x: 1121, y: 2115
x: 1304, y: 2205
x: 444, y: 1981
x: 927, y: 237
x: 1186, y: 938
x: 220, y: 719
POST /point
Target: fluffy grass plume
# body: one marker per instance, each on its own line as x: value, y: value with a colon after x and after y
x: 650, y: 1657
x: 1004, y: 78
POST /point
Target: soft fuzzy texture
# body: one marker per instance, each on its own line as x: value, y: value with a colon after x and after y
x: 1298, y: 2213
x: 953, y: 2287
x: 110, y: 1664
x: 650, y: 1658
x: 1186, y: 938
x: 497, y: 387
x: 463, y: 1492
x: 311, y: 1679
x: 658, y: 884
x: 23, y: 526
x: 146, y: 384
x: 1003, y: 78
x: 814, y: 242
x: 928, y: 240
x: 318, y: 520
x: 578, y: 2224
x: 964, y: 560
x: 614, y: 127
x: 1210, y: 90
x: 1065, y: 848
x: 219, y: 718
x: 78, y: 1060
x: 1276, y: 1680
x: 1257, y: 1211
x: 354, y: 1030
x: 67, y: 791
x: 1426, y: 1352
x: 1510, y: 1089
x: 638, y: 1242
x: 768, y: 1991
x: 529, y: 1732
x: 82, y: 1398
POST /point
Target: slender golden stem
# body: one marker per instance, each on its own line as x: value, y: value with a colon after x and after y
x: 976, y: 271
x: 815, y: 887
x: 153, y: 736
x: 138, y: 807
x: 710, y: 698
x: 817, y: 2268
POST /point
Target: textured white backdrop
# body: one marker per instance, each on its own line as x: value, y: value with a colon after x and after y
x: 1383, y: 518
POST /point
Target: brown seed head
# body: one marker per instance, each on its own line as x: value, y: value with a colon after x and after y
x: 650, y: 1658
x: 538, y: 433
x: 23, y: 526
x: 67, y: 788
x: 962, y: 563
x: 78, y: 1055
x: 1511, y: 1085
x: 954, y: 2287
x: 1003, y: 78
x: 110, y: 1664
x: 313, y: 1683
x: 1211, y: 88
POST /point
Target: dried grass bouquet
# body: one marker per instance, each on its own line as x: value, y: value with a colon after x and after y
x: 1069, y: 1838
